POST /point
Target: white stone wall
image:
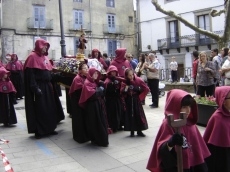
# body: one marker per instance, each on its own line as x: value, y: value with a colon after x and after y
x: 154, y: 25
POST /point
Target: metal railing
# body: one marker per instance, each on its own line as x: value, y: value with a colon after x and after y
x: 33, y: 23
x: 186, y: 41
x: 78, y: 27
x: 165, y: 74
x: 116, y: 29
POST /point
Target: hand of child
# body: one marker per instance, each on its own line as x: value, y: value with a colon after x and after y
x: 38, y: 92
x: 176, y: 139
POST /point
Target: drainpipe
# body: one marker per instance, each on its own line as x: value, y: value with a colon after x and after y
x: 90, y: 25
x: 138, y: 26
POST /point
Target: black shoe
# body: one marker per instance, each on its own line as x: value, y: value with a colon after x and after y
x: 139, y: 133
x: 143, y: 103
x: 6, y: 125
x: 132, y: 134
x: 154, y: 106
x: 54, y: 133
x: 38, y: 136
x: 15, y: 102
x: 151, y: 105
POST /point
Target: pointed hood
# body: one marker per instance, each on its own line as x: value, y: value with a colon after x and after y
x: 39, y: 45
x: 220, y: 95
x: 14, y: 64
x: 3, y: 71
x: 120, y: 55
x: 173, y: 105
x: 112, y: 68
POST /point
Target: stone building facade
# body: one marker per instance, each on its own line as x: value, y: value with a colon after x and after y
x: 108, y: 24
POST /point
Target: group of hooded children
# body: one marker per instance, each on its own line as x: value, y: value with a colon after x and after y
x: 11, y: 88
x: 94, y: 118
x: 103, y: 107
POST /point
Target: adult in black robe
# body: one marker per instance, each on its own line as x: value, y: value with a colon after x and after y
x: 134, y: 90
x: 78, y: 113
x: 42, y: 105
x: 113, y: 99
x: 7, y: 92
x: 16, y: 69
x: 93, y: 102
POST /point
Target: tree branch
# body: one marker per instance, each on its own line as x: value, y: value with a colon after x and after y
x: 226, y: 34
x: 215, y: 13
x: 185, y: 22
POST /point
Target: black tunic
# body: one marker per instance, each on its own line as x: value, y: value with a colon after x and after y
x: 43, y: 112
x: 219, y: 159
x: 135, y: 119
x: 17, y: 79
x: 114, y: 106
x: 169, y: 161
x: 96, y: 119
x: 78, y: 119
x: 7, y: 112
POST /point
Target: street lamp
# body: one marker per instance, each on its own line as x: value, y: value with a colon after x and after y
x: 62, y: 42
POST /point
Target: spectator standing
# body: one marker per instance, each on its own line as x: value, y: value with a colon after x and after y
x: 205, y: 76
x: 224, y: 55
x: 153, y: 79
x: 226, y: 70
x: 173, y: 66
x: 195, y: 62
x: 129, y: 57
x: 217, y: 60
x: 106, y: 59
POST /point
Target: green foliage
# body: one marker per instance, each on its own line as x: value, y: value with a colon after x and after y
x: 206, y: 101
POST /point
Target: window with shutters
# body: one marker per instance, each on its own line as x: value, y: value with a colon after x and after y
x: 110, y: 3
x: 112, y: 46
x: 78, y: 19
x: 204, y: 23
x: 173, y: 32
x: 39, y: 16
x: 77, y: 0
x: 111, y: 23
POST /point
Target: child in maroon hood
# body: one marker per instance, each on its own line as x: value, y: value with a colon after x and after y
x: 16, y: 69
x: 217, y: 133
x: 7, y: 91
x: 194, y: 150
x: 113, y: 99
x: 92, y: 101
x: 134, y: 89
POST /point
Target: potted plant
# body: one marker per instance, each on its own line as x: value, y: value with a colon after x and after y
x: 206, y: 107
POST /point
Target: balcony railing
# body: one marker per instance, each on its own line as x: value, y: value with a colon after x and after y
x: 186, y: 41
x: 165, y: 74
x: 78, y: 27
x: 116, y: 29
x: 32, y: 23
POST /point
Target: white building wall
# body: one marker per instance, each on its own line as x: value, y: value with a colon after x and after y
x: 154, y: 25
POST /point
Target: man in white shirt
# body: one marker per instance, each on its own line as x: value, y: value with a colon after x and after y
x: 153, y: 67
x: 173, y: 66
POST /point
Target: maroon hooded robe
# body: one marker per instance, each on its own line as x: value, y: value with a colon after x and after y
x: 217, y: 134
x: 16, y: 69
x: 78, y: 113
x: 120, y: 62
x: 93, y: 102
x: 113, y: 99
x: 135, y: 119
x: 7, y: 91
x: 42, y: 105
x: 195, y: 151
